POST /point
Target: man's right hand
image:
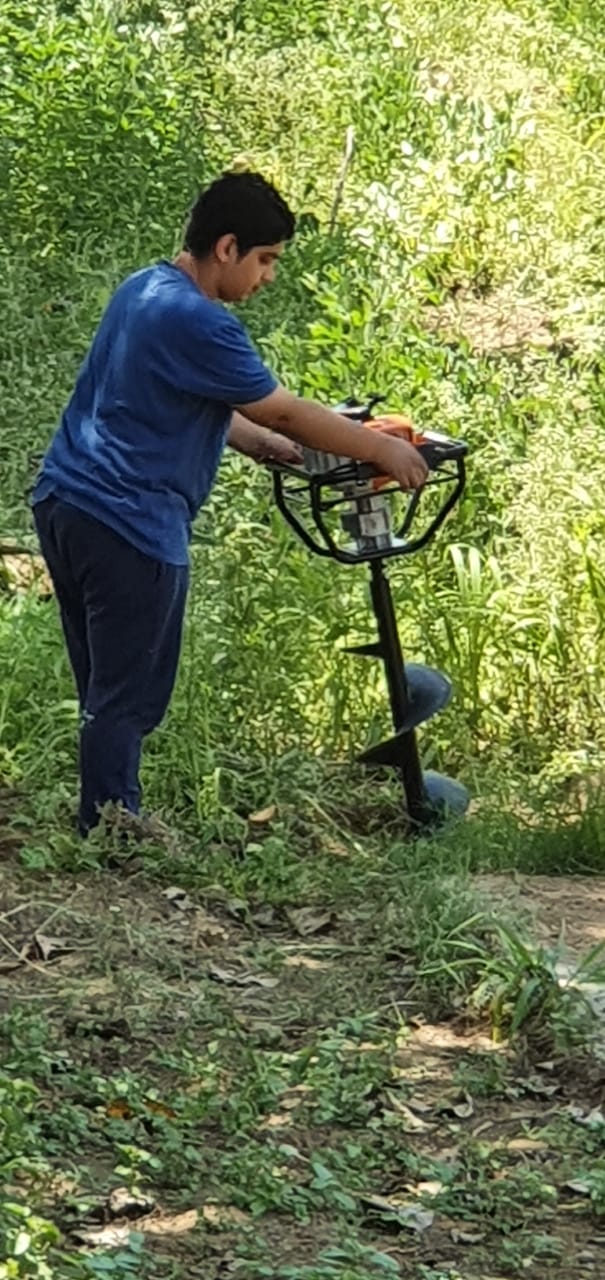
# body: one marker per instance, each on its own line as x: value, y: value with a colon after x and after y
x: 319, y: 428
x: 399, y: 459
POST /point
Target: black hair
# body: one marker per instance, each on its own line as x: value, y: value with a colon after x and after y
x: 242, y: 204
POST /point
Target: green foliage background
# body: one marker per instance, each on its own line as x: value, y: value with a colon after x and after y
x: 480, y: 151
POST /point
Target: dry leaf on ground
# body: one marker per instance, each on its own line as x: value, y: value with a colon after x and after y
x: 263, y: 917
x: 467, y: 1237
x: 426, y: 1188
x: 526, y: 1144
x: 588, y: 1119
x: 294, y: 1096
x: 122, y: 1203
x: 408, y: 1215
x: 175, y: 1224
x: 534, y: 1085
x: 335, y: 847
x: 208, y: 929
x: 308, y: 921
x: 98, y: 987
x: 115, y: 1234
x: 234, y: 977
x: 259, y: 818
x: 224, y: 1215
x: 415, y: 1103
x: 461, y: 1106
x: 41, y: 947
x: 410, y: 1122
x: 110, y: 1237
x: 179, y: 898
x: 279, y: 1120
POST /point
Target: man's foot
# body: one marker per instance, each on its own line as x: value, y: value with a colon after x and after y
x: 140, y: 828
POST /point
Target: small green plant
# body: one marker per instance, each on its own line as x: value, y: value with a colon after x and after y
x: 525, y: 989
x: 591, y: 1182
x: 427, y: 1273
x: 136, y: 1166
x: 524, y: 1248
x: 343, y: 1071
x: 486, y: 1191
x: 350, y: 1261
x: 483, y: 1075
x: 129, y: 1261
x: 25, y: 1241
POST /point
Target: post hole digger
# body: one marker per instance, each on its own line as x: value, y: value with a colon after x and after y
x: 343, y: 510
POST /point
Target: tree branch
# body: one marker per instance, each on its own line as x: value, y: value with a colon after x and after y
x: 344, y: 169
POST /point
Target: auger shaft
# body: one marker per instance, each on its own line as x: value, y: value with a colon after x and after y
x: 389, y: 650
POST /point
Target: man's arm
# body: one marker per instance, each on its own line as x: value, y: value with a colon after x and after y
x: 319, y: 428
x: 261, y: 444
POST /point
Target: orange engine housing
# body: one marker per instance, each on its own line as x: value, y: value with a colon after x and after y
x: 393, y: 424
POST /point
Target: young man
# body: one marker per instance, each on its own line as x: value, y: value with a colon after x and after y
x: 169, y: 378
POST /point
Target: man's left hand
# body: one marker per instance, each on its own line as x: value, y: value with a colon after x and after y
x: 262, y: 444
x: 278, y: 448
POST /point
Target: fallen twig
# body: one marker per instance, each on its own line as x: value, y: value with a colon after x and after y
x: 31, y: 964
x: 15, y: 910
x: 58, y: 911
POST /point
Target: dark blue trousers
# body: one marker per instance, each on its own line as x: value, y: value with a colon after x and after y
x: 122, y: 615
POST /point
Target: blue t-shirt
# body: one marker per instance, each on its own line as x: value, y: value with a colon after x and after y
x: 142, y: 436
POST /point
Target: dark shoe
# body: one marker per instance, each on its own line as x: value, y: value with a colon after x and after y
x: 140, y: 828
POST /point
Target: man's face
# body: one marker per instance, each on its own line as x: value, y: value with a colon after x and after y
x: 245, y: 275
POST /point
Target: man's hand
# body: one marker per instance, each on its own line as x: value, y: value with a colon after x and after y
x: 399, y: 459
x: 261, y: 444
x: 277, y: 448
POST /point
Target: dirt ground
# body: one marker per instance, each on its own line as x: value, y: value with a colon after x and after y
x: 134, y: 978
x: 565, y: 909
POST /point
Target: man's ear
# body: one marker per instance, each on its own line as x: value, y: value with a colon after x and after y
x: 225, y: 249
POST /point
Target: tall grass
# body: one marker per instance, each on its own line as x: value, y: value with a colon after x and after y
x: 476, y: 183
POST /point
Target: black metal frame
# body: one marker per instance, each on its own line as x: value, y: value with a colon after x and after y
x: 290, y: 484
